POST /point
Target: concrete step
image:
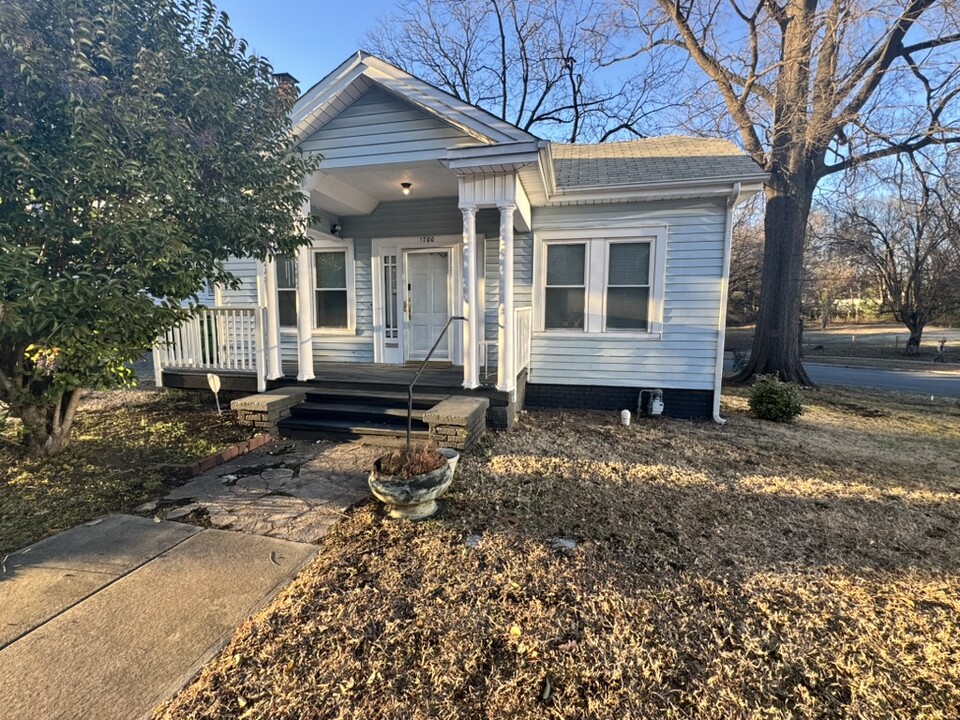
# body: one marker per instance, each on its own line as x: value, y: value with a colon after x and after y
x: 376, y: 433
x: 374, y: 397
x: 321, y: 410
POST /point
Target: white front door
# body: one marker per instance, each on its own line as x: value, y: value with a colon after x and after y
x: 427, y: 303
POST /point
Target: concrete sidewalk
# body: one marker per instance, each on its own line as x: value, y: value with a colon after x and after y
x: 111, y: 618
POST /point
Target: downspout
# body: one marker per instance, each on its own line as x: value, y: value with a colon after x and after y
x: 732, y: 201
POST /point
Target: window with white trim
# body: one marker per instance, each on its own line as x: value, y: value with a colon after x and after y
x: 565, y: 291
x: 601, y: 284
x: 286, y: 289
x: 628, y: 286
x: 331, y: 289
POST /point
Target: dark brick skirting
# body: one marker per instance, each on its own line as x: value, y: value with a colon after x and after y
x: 682, y: 404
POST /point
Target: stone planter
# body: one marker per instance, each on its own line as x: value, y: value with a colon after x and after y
x: 413, y: 498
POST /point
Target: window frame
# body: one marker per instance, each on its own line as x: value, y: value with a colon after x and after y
x: 596, y: 273
x: 294, y: 290
x: 586, y: 287
x: 350, y: 329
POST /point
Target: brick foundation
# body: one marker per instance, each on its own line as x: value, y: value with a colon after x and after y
x: 681, y: 404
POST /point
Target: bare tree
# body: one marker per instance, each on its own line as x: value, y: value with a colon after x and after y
x: 812, y: 88
x: 905, y: 231
x: 545, y: 66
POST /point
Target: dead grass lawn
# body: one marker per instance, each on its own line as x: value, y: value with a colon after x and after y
x: 750, y: 571
x: 119, y: 455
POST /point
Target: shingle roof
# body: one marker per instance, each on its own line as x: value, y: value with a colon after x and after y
x: 649, y: 161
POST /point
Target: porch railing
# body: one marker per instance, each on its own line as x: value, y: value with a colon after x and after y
x: 523, y: 330
x: 227, y: 339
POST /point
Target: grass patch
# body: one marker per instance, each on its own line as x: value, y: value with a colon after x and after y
x: 756, y: 570
x: 879, y: 345
x: 119, y: 455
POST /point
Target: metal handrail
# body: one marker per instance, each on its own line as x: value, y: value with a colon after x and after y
x: 416, y: 377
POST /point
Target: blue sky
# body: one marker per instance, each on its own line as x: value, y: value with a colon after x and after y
x: 306, y: 38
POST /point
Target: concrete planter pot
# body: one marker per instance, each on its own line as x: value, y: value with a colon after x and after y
x: 413, y: 498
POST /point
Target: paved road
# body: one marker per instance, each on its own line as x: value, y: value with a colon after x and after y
x: 920, y: 382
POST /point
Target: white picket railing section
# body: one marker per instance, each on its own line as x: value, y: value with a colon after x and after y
x: 230, y: 339
x: 522, y: 328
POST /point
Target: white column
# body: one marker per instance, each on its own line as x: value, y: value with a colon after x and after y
x: 271, y: 306
x: 471, y: 328
x: 506, y: 332
x: 305, y: 308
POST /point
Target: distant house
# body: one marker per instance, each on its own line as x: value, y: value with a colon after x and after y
x: 586, y: 273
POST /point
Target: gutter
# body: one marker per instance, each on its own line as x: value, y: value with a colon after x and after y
x: 732, y: 201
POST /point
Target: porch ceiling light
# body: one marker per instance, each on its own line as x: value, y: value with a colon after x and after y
x: 405, y: 186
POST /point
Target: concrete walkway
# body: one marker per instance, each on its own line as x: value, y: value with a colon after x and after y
x: 111, y: 618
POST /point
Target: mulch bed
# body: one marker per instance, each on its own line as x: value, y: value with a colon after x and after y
x: 667, y: 570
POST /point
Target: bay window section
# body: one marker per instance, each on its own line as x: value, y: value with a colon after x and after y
x: 628, y: 286
x: 565, y: 292
x: 331, y: 289
x: 286, y: 290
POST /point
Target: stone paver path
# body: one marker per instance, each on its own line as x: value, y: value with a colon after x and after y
x: 293, y: 490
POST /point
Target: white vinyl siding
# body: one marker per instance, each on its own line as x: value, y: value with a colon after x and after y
x: 684, y: 356
x: 245, y: 270
x: 380, y: 128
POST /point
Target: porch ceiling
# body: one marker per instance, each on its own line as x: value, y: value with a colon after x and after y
x: 358, y: 191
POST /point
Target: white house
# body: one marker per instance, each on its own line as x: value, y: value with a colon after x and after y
x: 585, y: 273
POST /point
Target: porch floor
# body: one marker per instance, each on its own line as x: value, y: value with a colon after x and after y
x: 434, y: 378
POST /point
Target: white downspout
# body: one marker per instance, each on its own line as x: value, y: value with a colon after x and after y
x: 732, y: 202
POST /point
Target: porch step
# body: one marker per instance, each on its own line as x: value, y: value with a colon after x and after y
x: 373, y: 397
x: 371, y: 412
x: 376, y: 433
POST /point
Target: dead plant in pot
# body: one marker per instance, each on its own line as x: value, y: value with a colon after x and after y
x: 409, y: 480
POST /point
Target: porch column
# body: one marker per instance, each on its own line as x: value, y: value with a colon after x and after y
x: 506, y: 353
x: 304, y: 309
x: 272, y: 310
x: 471, y: 328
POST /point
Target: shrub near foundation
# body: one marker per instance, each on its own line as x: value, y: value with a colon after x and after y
x: 773, y: 399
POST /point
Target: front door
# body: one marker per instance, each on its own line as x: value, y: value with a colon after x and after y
x: 427, y: 303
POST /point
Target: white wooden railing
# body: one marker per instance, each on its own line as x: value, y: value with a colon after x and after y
x: 224, y: 339
x: 522, y: 331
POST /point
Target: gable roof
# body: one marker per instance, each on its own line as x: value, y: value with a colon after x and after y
x: 361, y: 71
x: 667, y: 160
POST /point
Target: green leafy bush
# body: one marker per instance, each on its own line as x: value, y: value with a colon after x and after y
x: 772, y: 399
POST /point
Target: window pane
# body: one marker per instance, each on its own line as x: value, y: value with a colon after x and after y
x: 565, y: 264
x: 627, y: 308
x: 286, y: 271
x: 331, y: 270
x: 629, y: 264
x: 564, y: 308
x: 331, y: 308
x: 287, y: 300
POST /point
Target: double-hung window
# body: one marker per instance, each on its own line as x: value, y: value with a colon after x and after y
x: 628, y: 286
x: 287, y: 290
x: 602, y: 284
x: 565, y: 293
x: 332, y: 295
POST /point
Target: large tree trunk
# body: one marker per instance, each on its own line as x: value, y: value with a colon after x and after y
x: 776, y: 342
x: 916, y: 335
x: 46, y: 427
